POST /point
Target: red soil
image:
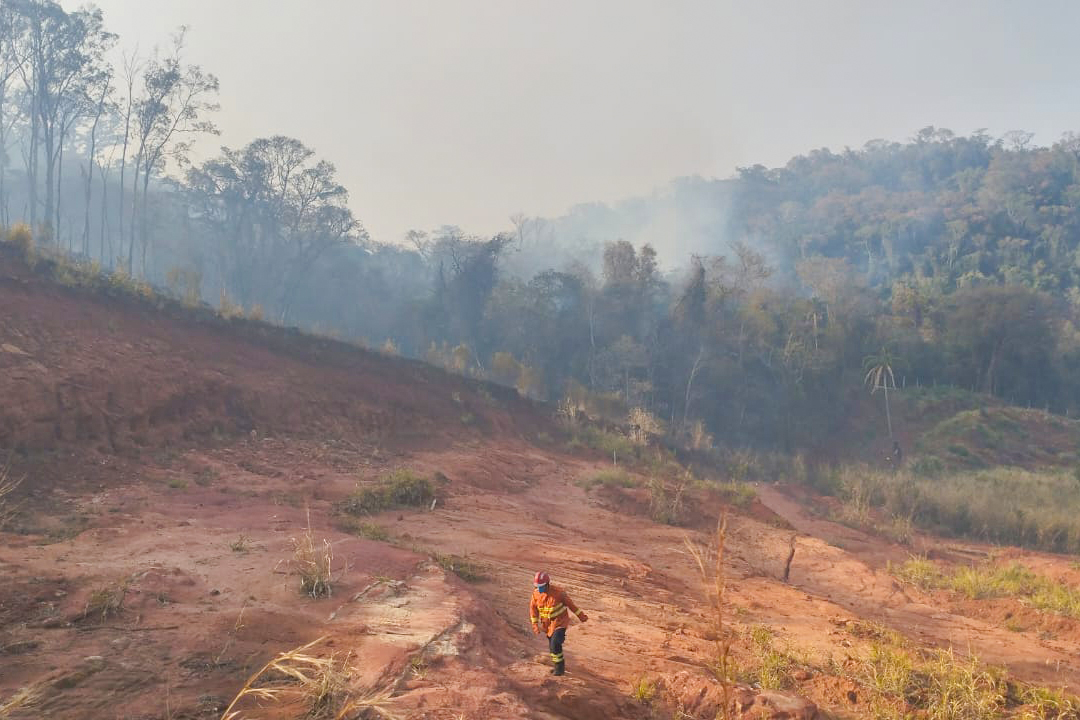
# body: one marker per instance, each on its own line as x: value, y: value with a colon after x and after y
x: 150, y: 445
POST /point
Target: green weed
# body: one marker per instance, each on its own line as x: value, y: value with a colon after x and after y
x: 401, y: 488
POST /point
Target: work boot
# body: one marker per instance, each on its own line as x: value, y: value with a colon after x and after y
x: 559, y: 669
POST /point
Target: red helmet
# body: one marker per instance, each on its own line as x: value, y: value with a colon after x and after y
x: 541, y: 578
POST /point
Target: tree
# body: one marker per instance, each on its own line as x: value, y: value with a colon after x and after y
x: 64, y: 56
x: 273, y: 210
x: 879, y: 375
x: 175, y: 99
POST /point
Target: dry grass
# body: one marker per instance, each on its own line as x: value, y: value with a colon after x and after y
x: 666, y: 499
x: 643, y: 690
x: 313, y: 563
x: 1010, y: 506
x: 903, y: 682
x: 710, y: 564
x: 23, y: 699
x: 322, y: 686
x: 8, y: 486
x: 106, y: 601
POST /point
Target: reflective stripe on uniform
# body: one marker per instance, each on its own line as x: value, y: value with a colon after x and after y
x: 552, y: 612
x: 557, y: 657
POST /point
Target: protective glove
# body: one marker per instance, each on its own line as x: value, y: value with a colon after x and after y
x: 582, y: 616
x: 536, y: 629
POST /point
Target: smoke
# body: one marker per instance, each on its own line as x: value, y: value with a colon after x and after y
x: 689, y: 216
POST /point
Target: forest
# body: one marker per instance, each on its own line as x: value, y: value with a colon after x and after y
x: 750, y: 309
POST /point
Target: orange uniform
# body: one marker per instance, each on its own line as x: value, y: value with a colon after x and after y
x: 549, y: 609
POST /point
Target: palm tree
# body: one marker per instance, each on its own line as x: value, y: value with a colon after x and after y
x: 879, y: 374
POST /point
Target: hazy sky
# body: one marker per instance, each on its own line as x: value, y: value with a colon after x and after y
x: 467, y: 111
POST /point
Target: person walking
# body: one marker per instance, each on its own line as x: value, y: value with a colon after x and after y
x: 549, y: 609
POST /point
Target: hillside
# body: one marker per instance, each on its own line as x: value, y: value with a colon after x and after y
x: 172, y: 460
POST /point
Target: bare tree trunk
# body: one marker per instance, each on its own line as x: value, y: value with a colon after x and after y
x: 104, y: 220
x: 59, y: 179
x: 90, y: 174
x: 690, y: 383
x: 144, y: 239
x: 134, y: 207
x: 888, y: 415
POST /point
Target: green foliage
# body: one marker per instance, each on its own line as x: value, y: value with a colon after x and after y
x: 773, y: 667
x: 365, y: 529
x: 643, y: 690
x: 466, y: 569
x: 995, y: 581
x: 610, y: 477
x: 400, y: 488
x: 611, y: 444
x: 739, y: 494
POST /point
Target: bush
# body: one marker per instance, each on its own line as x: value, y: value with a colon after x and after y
x: 365, y: 529
x: 666, y: 499
x: 23, y: 239
x: 612, y: 477
x: 401, y: 488
x: 613, y: 445
x: 739, y: 494
x: 463, y: 567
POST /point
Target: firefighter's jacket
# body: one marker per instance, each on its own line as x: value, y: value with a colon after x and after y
x: 551, y: 610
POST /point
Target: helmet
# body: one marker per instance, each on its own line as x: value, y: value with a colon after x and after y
x: 541, y: 578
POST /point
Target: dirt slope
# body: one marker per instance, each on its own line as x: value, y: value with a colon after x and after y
x: 176, y: 460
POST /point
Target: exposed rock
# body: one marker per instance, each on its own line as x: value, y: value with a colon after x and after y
x: 780, y: 706
x: 702, y: 697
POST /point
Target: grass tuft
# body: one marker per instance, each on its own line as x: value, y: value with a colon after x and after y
x: 313, y: 563
x: 323, y: 686
x: 106, y: 601
x: 609, y: 477
x: 643, y: 690
x: 401, y: 488
x: 463, y: 567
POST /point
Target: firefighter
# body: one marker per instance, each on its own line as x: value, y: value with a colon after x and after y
x: 549, y: 609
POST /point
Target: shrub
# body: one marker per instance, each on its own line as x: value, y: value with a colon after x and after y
x: 739, y: 494
x: 611, y: 477
x: 463, y: 567
x: 401, y: 488
x: 22, y: 238
x: 365, y: 529
x: 227, y: 308
x: 613, y: 445
x: 185, y: 283
x: 666, y: 499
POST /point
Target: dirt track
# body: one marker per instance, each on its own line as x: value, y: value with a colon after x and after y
x: 150, y: 448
